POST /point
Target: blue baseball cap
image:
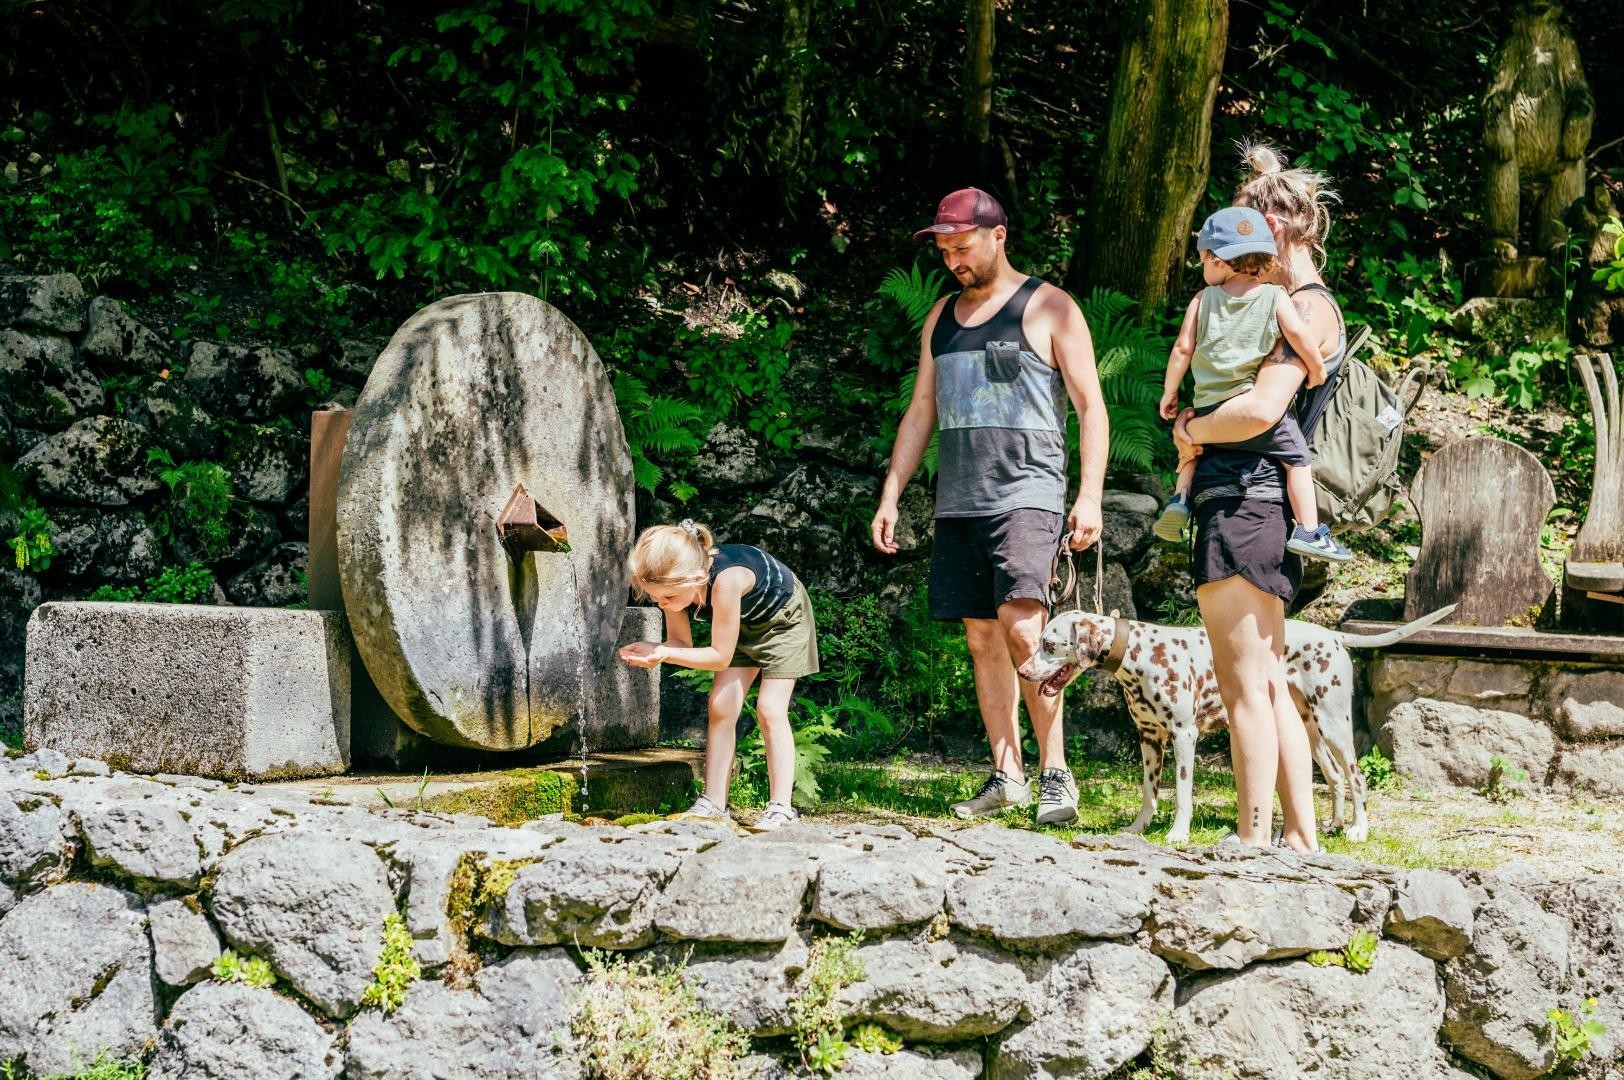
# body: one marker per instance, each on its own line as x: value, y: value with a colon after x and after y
x: 1235, y: 231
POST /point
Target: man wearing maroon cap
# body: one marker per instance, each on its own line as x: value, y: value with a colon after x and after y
x: 997, y: 363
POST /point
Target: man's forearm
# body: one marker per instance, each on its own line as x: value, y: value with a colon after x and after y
x: 908, y: 451
x: 1094, y: 437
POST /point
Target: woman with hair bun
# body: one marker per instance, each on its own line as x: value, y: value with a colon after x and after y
x: 1244, y: 574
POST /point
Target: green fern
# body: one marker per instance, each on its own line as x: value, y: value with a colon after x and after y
x: 1131, y: 359
x: 915, y: 292
x: 657, y: 425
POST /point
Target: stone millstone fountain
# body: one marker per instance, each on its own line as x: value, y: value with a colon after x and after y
x: 478, y: 631
x: 477, y: 530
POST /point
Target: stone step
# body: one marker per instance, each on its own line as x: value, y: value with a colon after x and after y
x: 617, y: 783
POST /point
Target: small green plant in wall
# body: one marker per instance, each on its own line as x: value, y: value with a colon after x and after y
x: 1359, y: 955
x: 1378, y: 771
x: 819, y: 1021
x: 635, y: 1021
x: 1573, y: 1033
x: 32, y: 545
x: 396, y: 969
x: 253, y: 970
x: 1506, y: 779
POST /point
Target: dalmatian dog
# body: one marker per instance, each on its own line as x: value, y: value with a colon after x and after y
x: 1166, y: 676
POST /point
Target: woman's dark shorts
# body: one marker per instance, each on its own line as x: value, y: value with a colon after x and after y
x: 978, y: 563
x: 1246, y: 537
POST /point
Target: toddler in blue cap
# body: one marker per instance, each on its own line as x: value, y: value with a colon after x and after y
x: 1228, y: 329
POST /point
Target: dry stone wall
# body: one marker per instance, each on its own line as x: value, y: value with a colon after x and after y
x: 1442, y: 720
x: 987, y: 951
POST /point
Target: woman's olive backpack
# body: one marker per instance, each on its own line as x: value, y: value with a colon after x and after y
x: 1357, y: 441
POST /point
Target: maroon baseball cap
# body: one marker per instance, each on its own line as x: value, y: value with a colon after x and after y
x: 963, y: 210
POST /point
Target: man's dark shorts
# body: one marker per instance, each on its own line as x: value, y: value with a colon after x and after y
x: 978, y: 563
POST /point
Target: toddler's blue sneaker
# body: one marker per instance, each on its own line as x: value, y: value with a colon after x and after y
x: 1174, y: 521
x: 1317, y: 545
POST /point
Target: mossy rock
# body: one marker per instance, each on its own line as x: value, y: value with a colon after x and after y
x: 519, y: 796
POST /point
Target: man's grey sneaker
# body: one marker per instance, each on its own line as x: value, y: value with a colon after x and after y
x: 1317, y: 545
x: 1174, y: 520
x: 775, y: 817
x: 998, y: 792
x: 706, y: 810
x: 1057, y: 797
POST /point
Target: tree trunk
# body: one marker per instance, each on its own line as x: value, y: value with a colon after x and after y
x: 1155, y: 157
x: 978, y: 25
x: 784, y: 154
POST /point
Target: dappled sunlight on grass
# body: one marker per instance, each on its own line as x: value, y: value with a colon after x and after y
x: 1408, y: 829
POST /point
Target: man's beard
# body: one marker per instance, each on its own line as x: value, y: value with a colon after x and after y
x: 977, y: 277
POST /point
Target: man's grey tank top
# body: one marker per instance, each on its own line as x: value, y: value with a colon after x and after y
x: 1001, y: 412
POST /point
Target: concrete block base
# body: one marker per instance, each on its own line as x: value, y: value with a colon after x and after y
x: 228, y: 692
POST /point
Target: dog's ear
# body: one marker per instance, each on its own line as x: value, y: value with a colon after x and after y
x: 1087, y: 639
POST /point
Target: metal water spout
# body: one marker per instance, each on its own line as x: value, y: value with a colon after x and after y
x: 525, y: 526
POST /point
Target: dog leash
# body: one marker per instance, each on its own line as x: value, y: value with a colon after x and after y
x: 1063, y: 575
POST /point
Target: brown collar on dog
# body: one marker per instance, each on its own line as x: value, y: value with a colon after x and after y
x: 1119, y: 646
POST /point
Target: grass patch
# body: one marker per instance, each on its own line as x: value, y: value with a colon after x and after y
x: 103, y: 1067
x: 638, y: 1021
x: 1408, y: 828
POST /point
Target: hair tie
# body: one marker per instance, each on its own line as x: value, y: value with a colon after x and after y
x: 687, y: 525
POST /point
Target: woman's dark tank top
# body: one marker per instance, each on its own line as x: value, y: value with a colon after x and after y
x: 1001, y: 413
x: 772, y: 590
x: 1221, y: 472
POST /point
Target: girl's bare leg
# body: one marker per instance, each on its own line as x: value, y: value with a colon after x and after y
x: 772, y: 712
x: 726, y: 702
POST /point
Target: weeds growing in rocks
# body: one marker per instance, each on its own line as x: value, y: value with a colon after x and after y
x: 253, y: 970
x: 396, y: 969
x: 1573, y: 1032
x: 820, y: 1022
x: 637, y: 1022
x: 103, y: 1067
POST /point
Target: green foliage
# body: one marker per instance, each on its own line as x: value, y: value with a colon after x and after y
x: 396, y: 968
x: 892, y: 673
x: 1132, y: 359
x: 494, y: 185
x: 1410, y: 298
x: 199, y: 500
x: 189, y: 584
x: 914, y: 292
x: 1610, y: 275
x: 813, y: 736
x: 103, y: 1067
x: 117, y: 209
x: 318, y: 386
x: 657, y: 425
x: 32, y: 545
x: 740, y: 368
x: 636, y: 1022
x: 1358, y: 956
x: 253, y: 970
x: 1378, y: 771
x: 874, y: 1039
x: 1519, y: 378
x: 818, y: 1021
x: 1573, y: 1034
x: 1506, y: 779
